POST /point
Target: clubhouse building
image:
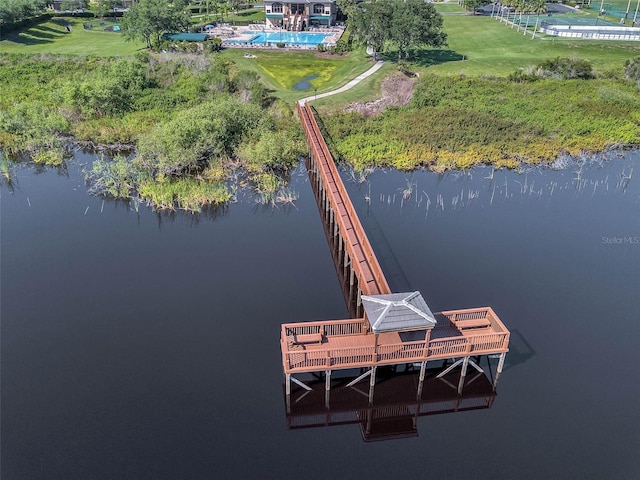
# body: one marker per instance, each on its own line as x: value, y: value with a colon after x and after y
x: 300, y: 16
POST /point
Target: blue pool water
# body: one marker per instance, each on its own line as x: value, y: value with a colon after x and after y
x: 288, y: 38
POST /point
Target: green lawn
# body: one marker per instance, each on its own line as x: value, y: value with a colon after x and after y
x: 484, y: 46
x: 282, y: 70
x: 365, y: 91
x: 52, y: 37
x: 448, y: 7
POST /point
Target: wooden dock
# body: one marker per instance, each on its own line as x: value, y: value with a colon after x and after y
x: 387, y: 328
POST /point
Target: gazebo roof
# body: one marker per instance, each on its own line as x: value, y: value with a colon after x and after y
x: 398, y: 312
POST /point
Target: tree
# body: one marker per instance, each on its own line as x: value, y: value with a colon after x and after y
x: 537, y: 7
x: 407, y: 24
x: 415, y: 23
x: 235, y: 6
x: 150, y: 19
x: 13, y: 11
x: 73, y: 5
x: 348, y: 7
x: 105, y: 7
x: 473, y: 4
x: 372, y: 23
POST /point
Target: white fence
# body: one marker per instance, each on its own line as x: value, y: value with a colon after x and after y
x: 592, y: 32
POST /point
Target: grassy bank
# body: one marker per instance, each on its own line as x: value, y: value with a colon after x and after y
x: 192, y: 120
x: 52, y: 37
x: 484, y: 46
x: 456, y: 122
x: 281, y: 71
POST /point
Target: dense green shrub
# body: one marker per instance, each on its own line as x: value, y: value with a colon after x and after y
x: 558, y: 68
x: 190, y: 115
x: 195, y: 137
x: 455, y: 122
x: 632, y: 70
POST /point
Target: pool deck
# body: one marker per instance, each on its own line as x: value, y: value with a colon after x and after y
x: 240, y: 37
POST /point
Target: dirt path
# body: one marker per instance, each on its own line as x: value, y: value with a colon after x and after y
x: 397, y: 89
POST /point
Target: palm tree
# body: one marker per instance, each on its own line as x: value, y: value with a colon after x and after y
x: 537, y: 7
x: 508, y: 4
x: 522, y: 4
x: 527, y: 8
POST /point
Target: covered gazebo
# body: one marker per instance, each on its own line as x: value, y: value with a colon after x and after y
x: 398, y: 312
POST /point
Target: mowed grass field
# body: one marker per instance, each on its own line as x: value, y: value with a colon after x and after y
x: 477, y: 46
x: 53, y: 38
x: 483, y: 46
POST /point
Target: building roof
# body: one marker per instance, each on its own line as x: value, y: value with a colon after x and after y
x: 188, y: 37
x: 398, y: 312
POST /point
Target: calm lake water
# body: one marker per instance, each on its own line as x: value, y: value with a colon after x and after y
x: 143, y: 346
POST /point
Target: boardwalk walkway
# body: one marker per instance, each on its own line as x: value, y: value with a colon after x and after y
x: 387, y: 328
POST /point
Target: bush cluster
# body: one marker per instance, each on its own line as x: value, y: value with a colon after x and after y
x: 456, y: 122
x: 190, y: 117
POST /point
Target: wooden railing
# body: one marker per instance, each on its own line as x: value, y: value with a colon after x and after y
x: 469, y: 314
x: 328, y: 328
x: 364, y: 261
x: 405, y: 352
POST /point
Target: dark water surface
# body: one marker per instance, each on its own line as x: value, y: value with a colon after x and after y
x: 145, y: 346
x: 305, y: 83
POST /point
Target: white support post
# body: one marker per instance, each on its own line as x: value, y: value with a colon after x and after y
x: 463, y: 374
x: 455, y: 364
x: 372, y: 384
x: 361, y: 377
x: 327, y: 388
x: 423, y: 369
x: 476, y: 366
x: 499, y: 370
x: 298, y: 382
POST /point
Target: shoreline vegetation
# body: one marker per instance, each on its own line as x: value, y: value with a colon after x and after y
x: 192, y: 122
x: 186, y: 129
x: 456, y: 122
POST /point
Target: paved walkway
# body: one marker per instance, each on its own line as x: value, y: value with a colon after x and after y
x: 346, y: 87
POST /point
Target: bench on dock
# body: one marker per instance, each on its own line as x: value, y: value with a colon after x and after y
x: 472, y: 323
x: 307, y: 338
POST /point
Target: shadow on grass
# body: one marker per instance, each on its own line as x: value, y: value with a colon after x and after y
x: 41, y: 35
x: 427, y: 58
x: 246, y: 14
x: 63, y: 21
x: 23, y: 39
x: 47, y: 28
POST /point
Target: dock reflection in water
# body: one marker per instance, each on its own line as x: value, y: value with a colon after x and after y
x: 392, y: 411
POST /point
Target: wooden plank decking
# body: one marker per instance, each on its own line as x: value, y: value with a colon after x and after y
x: 363, y: 260
x: 346, y: 344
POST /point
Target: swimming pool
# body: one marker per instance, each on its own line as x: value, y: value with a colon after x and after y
x: 271, y: 38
